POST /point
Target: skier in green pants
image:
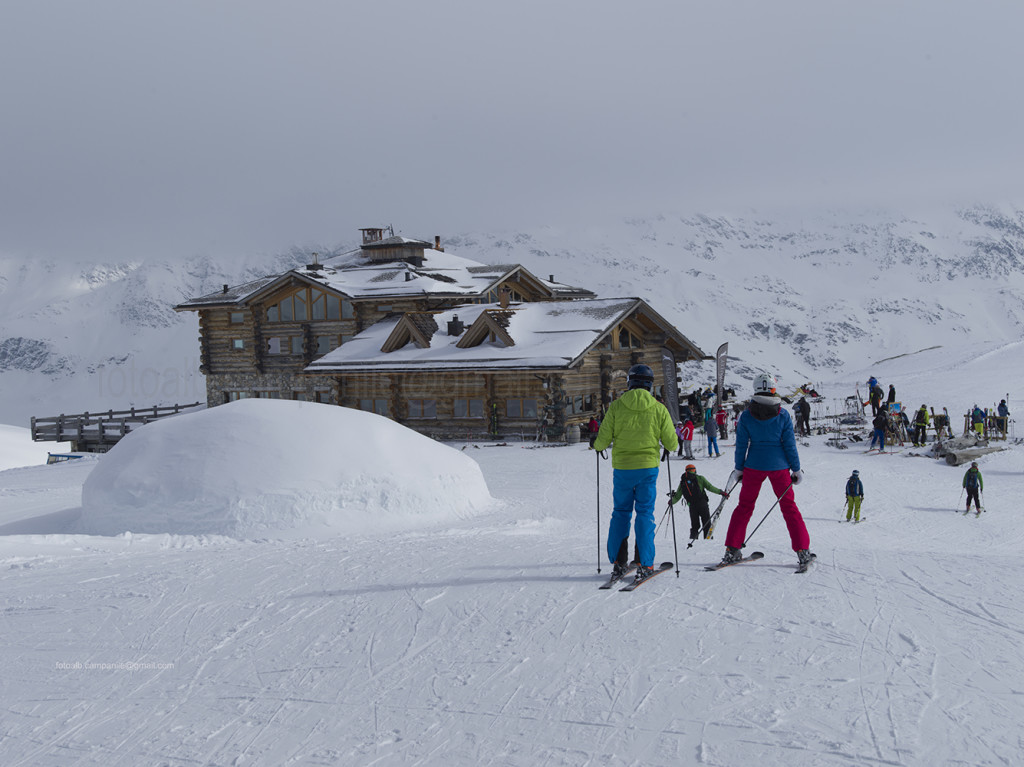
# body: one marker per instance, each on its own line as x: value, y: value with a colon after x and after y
x: 854, y: 496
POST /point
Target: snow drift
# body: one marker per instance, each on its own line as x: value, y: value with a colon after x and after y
x: 259, y: 468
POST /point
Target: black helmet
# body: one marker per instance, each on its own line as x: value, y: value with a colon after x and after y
x: 640, y: 377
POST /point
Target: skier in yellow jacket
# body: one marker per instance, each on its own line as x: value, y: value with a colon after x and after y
x: 636, y: 426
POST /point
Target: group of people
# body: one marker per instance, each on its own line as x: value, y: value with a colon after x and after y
x: 713, y: 425
x: 638, y: 429
x: 973, y: 484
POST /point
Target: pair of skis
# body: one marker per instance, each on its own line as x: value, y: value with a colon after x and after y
x: 663, y: 567
x: 756, y: 555
x: 666, y: 566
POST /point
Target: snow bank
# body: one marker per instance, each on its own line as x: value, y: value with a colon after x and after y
x: 265, y: 468
x: 17, y: 448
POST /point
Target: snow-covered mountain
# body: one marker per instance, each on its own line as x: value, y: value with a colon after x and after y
x: 809, y: 298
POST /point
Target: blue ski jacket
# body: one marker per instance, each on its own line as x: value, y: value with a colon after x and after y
x: 855, y: 487
x: 766, y: 442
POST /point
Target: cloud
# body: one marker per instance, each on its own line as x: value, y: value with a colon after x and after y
x: 174, y: 129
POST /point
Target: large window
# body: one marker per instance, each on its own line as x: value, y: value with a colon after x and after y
x: 378, y: 406
x: 423, y: 408
x: 521, y: 408
x: 580, y: 404
x: 310, y: 304
x: 325, y: 344
x: 233, y: 396
x: 468, y: 408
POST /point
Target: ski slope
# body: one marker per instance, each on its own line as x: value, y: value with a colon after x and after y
x: 485, y: 641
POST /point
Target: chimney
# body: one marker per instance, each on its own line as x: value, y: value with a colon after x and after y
x: 456, y: 326
x: 316, y: 266
x: 225, y: 289
x: 437, y: 243
x: 503, y: 296
x: 408, y: 276
x: 551, y: 278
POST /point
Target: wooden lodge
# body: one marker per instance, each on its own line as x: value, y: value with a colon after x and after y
x: 447, y: 346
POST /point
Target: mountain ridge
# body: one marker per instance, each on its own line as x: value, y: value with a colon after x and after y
x: 806, y: 297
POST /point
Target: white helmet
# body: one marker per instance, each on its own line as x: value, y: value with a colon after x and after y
x: 765, y: 383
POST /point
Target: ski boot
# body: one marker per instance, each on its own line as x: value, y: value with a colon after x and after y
x: 804, y: 558
x: 732, y: 556
x: 643, y: 573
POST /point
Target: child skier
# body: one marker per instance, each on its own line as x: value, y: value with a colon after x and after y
x: 854, y: 496
x: 973, y: 484
x: 693, y: 488
x: 766, y: 449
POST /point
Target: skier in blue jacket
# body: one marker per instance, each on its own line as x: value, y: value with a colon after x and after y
x: 854, y: 496
x: 766, y: 449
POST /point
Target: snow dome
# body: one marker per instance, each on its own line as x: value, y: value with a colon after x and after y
x: 264, y: 468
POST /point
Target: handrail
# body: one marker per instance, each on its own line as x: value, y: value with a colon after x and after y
x: 75, y: 426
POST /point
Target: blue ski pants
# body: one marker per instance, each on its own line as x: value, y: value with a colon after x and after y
x: 879, y: 437
x: 633, y: 489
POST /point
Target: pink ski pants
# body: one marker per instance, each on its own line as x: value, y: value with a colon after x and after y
x: 749, y: 489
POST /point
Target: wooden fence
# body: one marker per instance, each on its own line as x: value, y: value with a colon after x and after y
x: 98, y: 432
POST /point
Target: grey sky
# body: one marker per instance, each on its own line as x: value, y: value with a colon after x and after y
x: 170, y: 129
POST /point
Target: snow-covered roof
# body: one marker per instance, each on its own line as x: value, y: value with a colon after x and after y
x: 232, y: 295
x: 440, y: 275
x: 547, y: 334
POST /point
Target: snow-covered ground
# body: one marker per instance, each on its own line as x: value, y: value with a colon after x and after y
x: 483, y: 639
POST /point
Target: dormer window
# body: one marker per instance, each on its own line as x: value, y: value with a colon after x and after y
x: 629, y: 340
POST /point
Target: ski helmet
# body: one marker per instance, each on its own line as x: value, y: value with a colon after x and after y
x: 691, y: 467
x: 765, y: 383
x: 856, y: 473
x: 640, y: 377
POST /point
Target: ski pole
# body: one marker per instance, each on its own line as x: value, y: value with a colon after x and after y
x: 675, y: 546
x: 777, y: 501
x: 960, y: 501
x: 597, y: 456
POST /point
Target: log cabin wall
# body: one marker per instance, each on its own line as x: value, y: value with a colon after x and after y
x: 514, y: 403
x: 246, y: 353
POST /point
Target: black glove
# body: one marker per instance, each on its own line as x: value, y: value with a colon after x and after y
x: 664, y: 455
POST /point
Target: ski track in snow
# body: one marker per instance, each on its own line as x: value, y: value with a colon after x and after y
x: 488, y: 643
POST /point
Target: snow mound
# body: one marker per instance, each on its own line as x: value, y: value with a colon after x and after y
x: 17, y: 448
x: 267, y: 468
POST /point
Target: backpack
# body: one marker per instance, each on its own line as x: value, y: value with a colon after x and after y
x: 972, y: 480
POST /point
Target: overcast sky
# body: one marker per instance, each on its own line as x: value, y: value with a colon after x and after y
x: 177, y: 128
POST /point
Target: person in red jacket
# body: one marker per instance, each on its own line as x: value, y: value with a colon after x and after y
x: 685, y: 433
x: 722, y: 419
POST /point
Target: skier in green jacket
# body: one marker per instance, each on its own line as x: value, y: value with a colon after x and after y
x: 694, y: 489
x: 974, y: 485
x: 636, y: 426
